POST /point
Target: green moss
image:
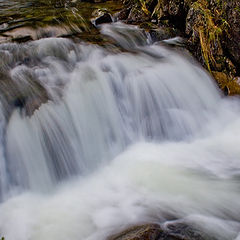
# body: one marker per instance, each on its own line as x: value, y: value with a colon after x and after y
x: 209, y: 32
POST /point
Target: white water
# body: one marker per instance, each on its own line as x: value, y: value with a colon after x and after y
x: 140, y: 136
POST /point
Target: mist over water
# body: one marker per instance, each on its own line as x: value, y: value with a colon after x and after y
x: 142, y: 135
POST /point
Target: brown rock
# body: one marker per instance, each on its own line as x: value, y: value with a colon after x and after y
x: 229, y: 85
x: 137, y: 15
x: 175, y: 231
x: 142, y: 232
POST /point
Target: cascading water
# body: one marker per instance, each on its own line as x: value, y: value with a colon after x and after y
x: 120, y: 138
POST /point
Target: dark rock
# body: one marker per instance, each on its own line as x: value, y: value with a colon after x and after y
x: 101, y: 16
x: 22, y: 39
x: 105, y: 18
x: 19, y: 102
x: 137, y: 15
x: 123, y: 14
x: 214, y: 34
x: 232, y: 44
x: 174, y: 42
x: 183, y: 231
x: 163, y: 33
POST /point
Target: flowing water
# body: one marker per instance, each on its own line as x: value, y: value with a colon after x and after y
x: 123, y: 137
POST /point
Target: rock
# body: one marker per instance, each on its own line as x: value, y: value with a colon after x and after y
x: 26, y: 95
x: 174, y: 42
x: 94, y: 1
x: 232, y: 43
x: 211, y: 28
x: 137, y: 15
x: 229, y: 85
x: 174, y: 11
x: 175, y: 231
x: 123, y: 14
x: 101, y: 16
x: 204, y: 36
x: 22, y: 39
x: 142, y: 232
x: 163, y: 33
x: 3, y: 26
x: 185, y: 232
x: 4, y: 39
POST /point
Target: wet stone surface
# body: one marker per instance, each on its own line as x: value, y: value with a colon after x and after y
x: 178, y: 231
x: 21, y: 21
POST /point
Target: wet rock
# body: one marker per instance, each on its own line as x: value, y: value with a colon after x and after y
x: 214, y: 35
x: 183, y: 231
x: 22, y: 39
x: 229, y: 85
x: 123, y: 14
x: 21, y: 91
x: 101, y: 16
x: 137, y: 15
x: 143, y: 232
x: 174, y: 11
x: 19, y: 102
x: 162, y: 33
x: 211, y: 28
x: 174, y: 231
x: 3, y: 26
x: 174, y: 42
x: 232, y: 44
x: 4, y: 39
x: 29, y: 97
x: 25, y: 34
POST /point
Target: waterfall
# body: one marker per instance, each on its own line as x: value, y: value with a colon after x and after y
x: 93, y: 139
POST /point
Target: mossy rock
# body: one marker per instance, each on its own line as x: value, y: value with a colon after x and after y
x: 228, y: 84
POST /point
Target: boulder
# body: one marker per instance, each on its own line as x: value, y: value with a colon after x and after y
x: 101, y: 16
x: 175, y: 231
x: 142, y: 232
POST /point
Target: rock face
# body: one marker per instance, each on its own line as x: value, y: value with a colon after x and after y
x: 232, y: 43
x: 211, y: 28
x: 155, y: 232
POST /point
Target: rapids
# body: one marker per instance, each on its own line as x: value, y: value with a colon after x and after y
x: 125, y: 137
